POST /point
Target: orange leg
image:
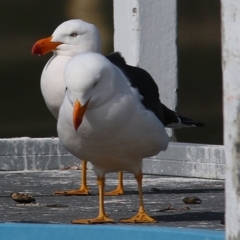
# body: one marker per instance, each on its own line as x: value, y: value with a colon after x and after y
x: 102, y: 216
x: 119, y: 190
x: 83, y: 190
x: 141, y: 216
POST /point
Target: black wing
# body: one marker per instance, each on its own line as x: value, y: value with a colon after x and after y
x: 148, y: 89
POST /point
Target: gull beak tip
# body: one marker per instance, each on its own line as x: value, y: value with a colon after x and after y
x: 78, y: 113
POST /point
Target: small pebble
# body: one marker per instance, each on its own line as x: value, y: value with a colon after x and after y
x: 22, y: 197
x: 192, y: 200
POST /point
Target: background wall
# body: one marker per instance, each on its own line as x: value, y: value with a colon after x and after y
x: 23, y: 111
x: 199, y: 69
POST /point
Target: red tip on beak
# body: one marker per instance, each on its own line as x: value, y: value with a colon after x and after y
x: 43, y: 46
x: 78, y: 113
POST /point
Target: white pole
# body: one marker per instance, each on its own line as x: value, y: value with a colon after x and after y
x: 231, y: 91
x: 145, y: 34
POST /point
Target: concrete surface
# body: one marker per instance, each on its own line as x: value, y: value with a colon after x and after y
x: 180, y: 159
x: 159, y: 193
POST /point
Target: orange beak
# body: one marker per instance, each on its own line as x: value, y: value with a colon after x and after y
x: 78, y: 113
x: 44, y: 46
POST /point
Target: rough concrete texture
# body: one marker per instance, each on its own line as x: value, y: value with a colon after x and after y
x: 180, y: 159
x: 159, y: 193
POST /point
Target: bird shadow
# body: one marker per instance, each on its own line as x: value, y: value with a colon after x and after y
x: 179, y: 191
x: 191, y: 217
x: 174, y: 191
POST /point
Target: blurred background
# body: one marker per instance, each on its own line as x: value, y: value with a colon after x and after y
x: 23, y: 111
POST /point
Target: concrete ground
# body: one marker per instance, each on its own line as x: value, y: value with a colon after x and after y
x: 159, y: 193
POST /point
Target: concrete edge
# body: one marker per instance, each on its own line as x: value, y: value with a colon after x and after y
x: 180, y: 159
x: 188, y: 160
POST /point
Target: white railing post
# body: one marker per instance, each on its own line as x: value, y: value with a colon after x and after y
x: 145, y: 33
x: 231, y: 89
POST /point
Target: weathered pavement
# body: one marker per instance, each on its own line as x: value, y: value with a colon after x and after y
x: 159, y: 193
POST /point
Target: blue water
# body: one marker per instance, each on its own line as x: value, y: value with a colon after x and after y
x: 18, y: 231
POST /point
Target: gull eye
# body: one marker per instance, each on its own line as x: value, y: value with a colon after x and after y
x: 73, y: 34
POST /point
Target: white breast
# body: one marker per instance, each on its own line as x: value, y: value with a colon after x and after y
x: 52, y: 83
x: 116, y: 136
